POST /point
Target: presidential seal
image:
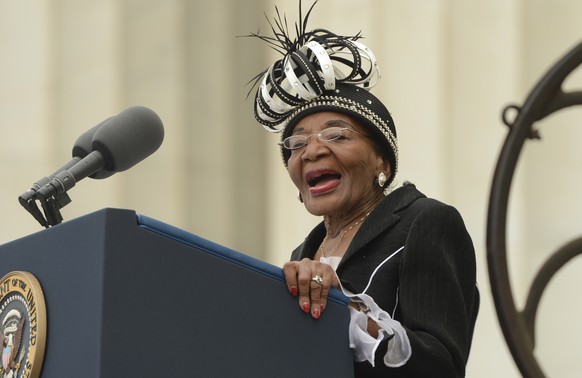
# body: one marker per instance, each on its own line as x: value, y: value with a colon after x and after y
x: 22, y: 325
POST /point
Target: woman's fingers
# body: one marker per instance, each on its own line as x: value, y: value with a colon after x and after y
x: 290, y: 269
x: 310, y: 281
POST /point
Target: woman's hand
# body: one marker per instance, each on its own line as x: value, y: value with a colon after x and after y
x: 302, y: 280
x: 373, y: 328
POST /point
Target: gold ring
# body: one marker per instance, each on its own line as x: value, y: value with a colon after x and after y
x: 317, y: 279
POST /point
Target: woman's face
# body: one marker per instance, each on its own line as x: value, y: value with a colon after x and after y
x: 335, y: 177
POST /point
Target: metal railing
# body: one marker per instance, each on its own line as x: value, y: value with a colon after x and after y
x: 518, y: 326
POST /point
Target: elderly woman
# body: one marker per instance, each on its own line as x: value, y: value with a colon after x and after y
x: 405, y: 260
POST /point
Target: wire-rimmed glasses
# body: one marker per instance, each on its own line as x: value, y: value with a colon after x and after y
x: 295, y: 142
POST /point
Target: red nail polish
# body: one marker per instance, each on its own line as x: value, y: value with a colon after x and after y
x: 305, y: 307
x: 316, y: 314
x: 322, y: 307
x: 293, y: 291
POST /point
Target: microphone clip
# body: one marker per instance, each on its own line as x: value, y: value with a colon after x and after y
x: 51, y: 207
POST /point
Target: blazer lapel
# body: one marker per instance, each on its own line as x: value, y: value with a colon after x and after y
x: 382, y: 218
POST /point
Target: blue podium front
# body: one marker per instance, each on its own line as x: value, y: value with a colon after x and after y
x: 129, y: 296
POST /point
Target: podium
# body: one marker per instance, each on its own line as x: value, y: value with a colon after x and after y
x: 129, y: 296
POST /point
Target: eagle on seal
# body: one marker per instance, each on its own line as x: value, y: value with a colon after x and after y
x: 11, y: 337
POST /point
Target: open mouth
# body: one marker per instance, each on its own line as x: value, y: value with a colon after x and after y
x: 322, y: 180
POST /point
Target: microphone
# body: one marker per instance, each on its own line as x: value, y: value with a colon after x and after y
x: 128, y: 138
x: 117, y: 144
x: 81, y: 148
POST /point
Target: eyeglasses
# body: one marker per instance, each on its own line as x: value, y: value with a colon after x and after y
x: 295, y: 142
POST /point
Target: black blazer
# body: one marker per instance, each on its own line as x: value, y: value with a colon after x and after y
x: 429, y: 285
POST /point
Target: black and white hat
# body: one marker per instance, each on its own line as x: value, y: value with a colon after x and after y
x: 321, y: 71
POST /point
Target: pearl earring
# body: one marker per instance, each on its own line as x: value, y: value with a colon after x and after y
x: 382, y: 179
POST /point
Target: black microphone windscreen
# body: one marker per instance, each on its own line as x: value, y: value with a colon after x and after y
x: 127, y: 138
x: 83, y: 147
